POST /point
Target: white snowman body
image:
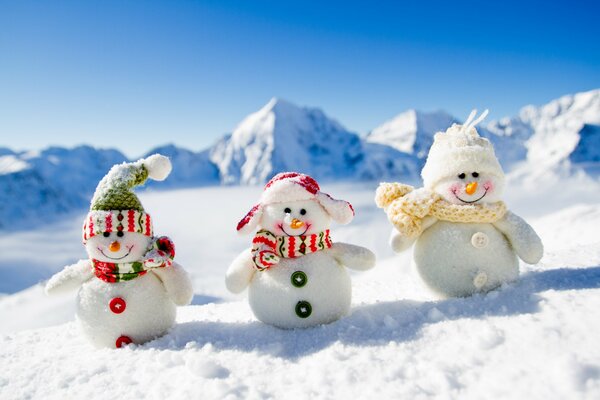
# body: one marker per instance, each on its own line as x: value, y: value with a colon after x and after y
x: 140, y: 310
x: 113, y: 314
x: 308, y: 290
x: 449, y: 256
x: 301, y: 292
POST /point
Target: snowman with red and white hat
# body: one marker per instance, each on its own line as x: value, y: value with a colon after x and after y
x: 130, y: 286
x: 294, y: 272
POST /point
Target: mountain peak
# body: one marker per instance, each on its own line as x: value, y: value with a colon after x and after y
x: 411, y: 131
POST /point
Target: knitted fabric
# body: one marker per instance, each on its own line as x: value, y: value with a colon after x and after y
x: 406, y: 208
x: 267, y: 248
x: 114, y: 190
x: 98, y: 222
x: 294, y: 186
x: 160, y: 255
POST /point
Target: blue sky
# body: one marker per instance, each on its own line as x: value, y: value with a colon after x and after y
x: 136, y: 74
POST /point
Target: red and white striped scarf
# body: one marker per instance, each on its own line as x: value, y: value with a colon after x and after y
x: 267, y: 248
x: 160, y: 255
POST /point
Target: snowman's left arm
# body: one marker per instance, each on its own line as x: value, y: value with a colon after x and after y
x: 177, y: 283
x: 526, y: 243
x: 352, y: 256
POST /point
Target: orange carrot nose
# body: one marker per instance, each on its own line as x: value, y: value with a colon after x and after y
x: 296, y: 223
x: 471, y: 188
x: 114, y: 246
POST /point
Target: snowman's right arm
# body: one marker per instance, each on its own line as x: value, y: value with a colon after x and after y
x: 399, y: 242
x: 71, y: 277
x: 240, y: 272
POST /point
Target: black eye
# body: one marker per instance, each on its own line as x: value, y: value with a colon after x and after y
x: 303, y: 212
x: 462, y: 176
x: 120, y: 234
x: 475, y: 174
x: 106, y: 234
x: 287, y: 210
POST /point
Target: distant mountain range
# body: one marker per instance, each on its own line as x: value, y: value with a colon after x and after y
x: 562, y: 137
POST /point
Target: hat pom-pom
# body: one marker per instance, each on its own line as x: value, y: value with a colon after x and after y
x: 158, y: 166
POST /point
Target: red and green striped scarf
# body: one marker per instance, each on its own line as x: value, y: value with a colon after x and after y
x: 268, y: 248
x: 160, y: 255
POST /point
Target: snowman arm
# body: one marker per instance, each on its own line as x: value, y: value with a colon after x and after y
x: 355, y: 257
x: 526, y: 243
x: 71, y: 277
x: 399, y: 242
x: 177, y: 283
x: 240, y: 272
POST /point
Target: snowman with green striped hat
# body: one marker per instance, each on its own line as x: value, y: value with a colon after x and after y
x: 130, y: 286
x: 294, y: 272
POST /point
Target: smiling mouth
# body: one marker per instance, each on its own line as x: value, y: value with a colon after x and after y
x: 119, y: 258
x: 302, y: 234
x: 474, y: 201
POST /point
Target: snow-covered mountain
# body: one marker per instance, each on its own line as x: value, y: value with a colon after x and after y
x: 282, y: 137
x: 561, y: 137
x: 190, y: 169
x: 38, y: 186
x: 553, y: 138
x: 411, y: 131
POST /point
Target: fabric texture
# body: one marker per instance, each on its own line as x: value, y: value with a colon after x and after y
x: 267, y: 248
x: 160, y: 255
x: 98, y: 222
x: 293, y: 186
x: 406, y: 208
x: 115, y: 207
x: 460, y: 148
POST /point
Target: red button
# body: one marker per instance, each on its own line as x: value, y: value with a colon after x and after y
x: 117, y: 305
x: 123, y: 341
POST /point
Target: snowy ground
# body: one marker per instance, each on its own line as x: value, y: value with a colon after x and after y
x: 533, y: 339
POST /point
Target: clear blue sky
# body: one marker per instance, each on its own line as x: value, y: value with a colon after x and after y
x: 135, y: 74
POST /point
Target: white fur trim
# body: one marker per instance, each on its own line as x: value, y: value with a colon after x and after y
x: 285, y: 191
x: 250, y: 221
x: 158, y: 166
x: 341, y: 211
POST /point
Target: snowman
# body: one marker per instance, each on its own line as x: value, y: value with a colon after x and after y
x: 465, y: 240
x: 130, y: 285
x: 295, y: 273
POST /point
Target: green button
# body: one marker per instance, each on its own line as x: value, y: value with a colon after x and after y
x: 299, y: 279
x: 303, y: 309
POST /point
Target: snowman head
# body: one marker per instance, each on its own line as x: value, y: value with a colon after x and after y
x: 295, y: 218
x: 462, y: 167
x: 117, y: 228
x: 293, y: 205
x: 118, y: 247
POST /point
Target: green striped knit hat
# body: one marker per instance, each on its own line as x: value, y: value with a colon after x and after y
x: 115, y: 207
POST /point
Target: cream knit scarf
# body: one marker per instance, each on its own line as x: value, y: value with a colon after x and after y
x: 406, y: 208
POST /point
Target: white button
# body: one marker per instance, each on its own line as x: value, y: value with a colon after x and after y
x: 480, y: 240
x: 480, y: 280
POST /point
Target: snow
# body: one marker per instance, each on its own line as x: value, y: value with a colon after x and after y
x: 412, y: 131
x: 9, y: 164
x: 532, y: 339
x: 281, y: 137
x: 553, y: 141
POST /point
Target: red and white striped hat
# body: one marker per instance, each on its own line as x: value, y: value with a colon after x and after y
x: 294, y: 186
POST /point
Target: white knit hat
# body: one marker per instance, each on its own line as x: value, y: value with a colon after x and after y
x: 460, y: 149
x: 293, y: 186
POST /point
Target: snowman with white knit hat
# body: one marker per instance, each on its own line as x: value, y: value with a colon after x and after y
x: 130, y: 286
x: 295, y: 273
x: 466, y: 241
